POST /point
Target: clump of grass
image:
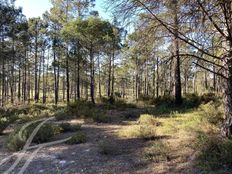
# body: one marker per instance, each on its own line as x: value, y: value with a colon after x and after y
x: 63, y: 114
x: 157, y: 152
x: 17, y: 139
x: 100, y: 117
x: 67, y: 127
x: 145, y: 129
x: 212, y: 112
x: 80, y: 108
x: 146, y: 119
x: 4, y: 122
x: 216, y: 156
x: 107, y: 147
x: 78, y: 138
x: 209, y: 97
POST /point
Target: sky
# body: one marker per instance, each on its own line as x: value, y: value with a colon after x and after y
x: 35, y: 8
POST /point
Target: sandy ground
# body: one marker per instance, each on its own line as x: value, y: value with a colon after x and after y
x: 126, y: 156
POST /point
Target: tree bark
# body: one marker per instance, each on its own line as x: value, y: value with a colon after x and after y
x: 92, y: 74
x: 109, y: 77
x: 36, y: 97
x: 67, y: 77
x: 178, y: 95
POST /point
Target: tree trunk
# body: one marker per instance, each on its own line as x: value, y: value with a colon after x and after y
x: 227, y: 125
x: 36, y: 97
x: 99, y: 77
x: 109, y: 77
x: 112, y: 85
x: 19, y: 85
x: 178, y: 95
x: 44, y: 83
x: 157, y: 78
x: 67, y: 76
x: 92, y: 75
x: 78, y: 72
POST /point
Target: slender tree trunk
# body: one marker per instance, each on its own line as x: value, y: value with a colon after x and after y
x: 137, y: 79
x: 25, y: 78
x: 19, y: 85
x: 92, y: 74
x: 178, y: 95
x: 67, y: 77
x: 39, y: 77
x: 12, y: 75
x: 78, y: 72
x: 99, y: 77
x: 64, y: 84
x: 227, y: 125
x: 113, y: 78
x: 44, y: 83
x: 3, y: 82
x: 157, y: 77
x: 109, y: 77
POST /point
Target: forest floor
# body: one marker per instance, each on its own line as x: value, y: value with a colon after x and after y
x: 107, y: 152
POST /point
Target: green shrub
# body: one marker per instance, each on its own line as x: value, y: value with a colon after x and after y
x: 216, y: 156
x: 7, y: 117
x: 191, y: 101
x: 163, y: 100
x: 45, y: 133
x: 78, y: 108
x: 209, y: 97
x: 15, y: 142
x: 213, y: 112
x: 144, y: 98
x: 146, y: 119
x: 67, y: 127
x: 4, y: 123
x: 146, y: 128
x: 78, y: 138
x: 157, y: 152
x: 17, y: 139
x: 117, y: 94
x: 63, y: 114
x: 100, y: 117
x: 147, y: 132
x: 123, y: 105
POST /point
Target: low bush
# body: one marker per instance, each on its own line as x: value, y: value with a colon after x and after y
x: 4, y: 123
x: 146, y: 119
x: 164, y: 100
x: 18, y: 138
x: 213, y: 112
x: 157, y: 152
x: 147, y: 132
x: 146, y: 128
x: 78, y: 138
x: 79, y: 108
x: 191, y: 101
x: 67, y: 127
x: 100, y: 117
x: 63, y: 114
x: 209, y: 97
x: 216, y: 156
x: 144, y: 98
x: 115, y: 103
